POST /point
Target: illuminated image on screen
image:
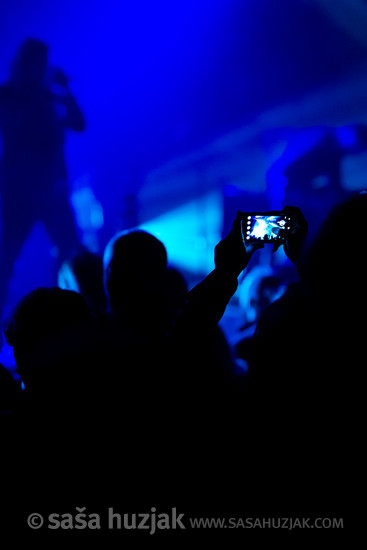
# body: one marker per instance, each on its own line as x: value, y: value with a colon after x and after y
x: 266, y: 228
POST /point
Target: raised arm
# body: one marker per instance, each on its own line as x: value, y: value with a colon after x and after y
x: 208, y: 300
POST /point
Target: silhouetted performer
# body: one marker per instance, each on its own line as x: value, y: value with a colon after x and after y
x: 36, y: 107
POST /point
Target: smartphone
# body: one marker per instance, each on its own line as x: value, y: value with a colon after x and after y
x: 265, y: 227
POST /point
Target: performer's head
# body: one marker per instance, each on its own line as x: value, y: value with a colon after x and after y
x: 30, y: 63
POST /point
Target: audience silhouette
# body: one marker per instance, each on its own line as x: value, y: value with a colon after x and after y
x: 135, y: 266
x: 303, y: 388
x: 45, y: 333
x: 145, y: 394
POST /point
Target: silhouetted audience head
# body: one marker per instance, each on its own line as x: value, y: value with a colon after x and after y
x: 84, y: 274
x: 30, y: 63
x: 135, y: 265
x: 45, y: 331
x: 335, y: 267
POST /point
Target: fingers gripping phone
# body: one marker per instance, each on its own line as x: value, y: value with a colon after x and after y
x: 265, y: 227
